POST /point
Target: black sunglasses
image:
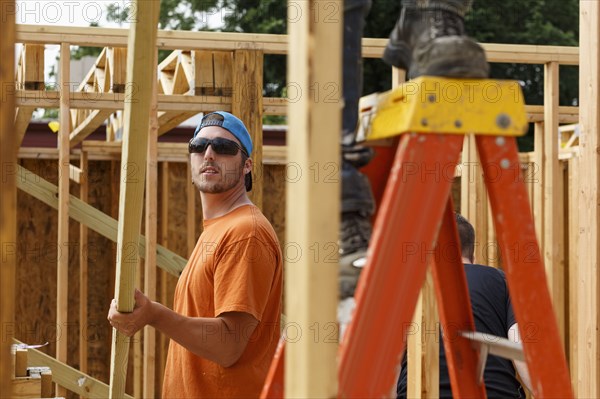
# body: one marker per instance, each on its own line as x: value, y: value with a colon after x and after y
x: 219, y: 145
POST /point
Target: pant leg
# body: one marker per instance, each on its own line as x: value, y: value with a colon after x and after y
x: 458, y: 6
x: 355, y: 12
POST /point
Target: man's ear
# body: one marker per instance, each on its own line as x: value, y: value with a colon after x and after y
x: 248, y: 166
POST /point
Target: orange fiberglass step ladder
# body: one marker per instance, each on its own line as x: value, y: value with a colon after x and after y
x: 432, y: 115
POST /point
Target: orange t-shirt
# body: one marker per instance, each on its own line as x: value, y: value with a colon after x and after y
x: 236, y: 266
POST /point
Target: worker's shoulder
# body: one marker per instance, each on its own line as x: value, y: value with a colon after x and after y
x: 484, y: 271
x: 249, y: 222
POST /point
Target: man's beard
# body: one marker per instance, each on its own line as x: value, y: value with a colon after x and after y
x: 228, y: 180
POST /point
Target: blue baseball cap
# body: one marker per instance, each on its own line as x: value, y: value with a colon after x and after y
x: 230, y: 123
x: 233, y: 125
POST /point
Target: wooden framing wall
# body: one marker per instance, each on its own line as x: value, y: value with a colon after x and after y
x: 571, y: 282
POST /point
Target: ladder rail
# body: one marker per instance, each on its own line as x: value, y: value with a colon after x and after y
x: 403, y: 234
x: 524, y: 267
x: 454, y: 306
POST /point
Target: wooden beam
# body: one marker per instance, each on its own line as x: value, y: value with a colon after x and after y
x: 96, y: 220
x: 429, y: 334
x: 588, y: 382
x: 474, y: 198
x: 8, y: 193
x: 573, y: 270
x: 68, y: 377
x: 150, y: 224
x: 313, y: 201
x: 170, y: 120
x: 204, y: 76
x: 138, y: 88
x: 163, y: 340
x: 247, y: 105
x: 190, y: 202
x: 22, y: 119
x: 553, y: 247
x: 268, y: 43
x: 83, y: 267
x: 88, y: 126
x: 224, y: 76
x: 62, y: 267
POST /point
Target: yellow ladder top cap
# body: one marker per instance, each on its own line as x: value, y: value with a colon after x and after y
x: 449, y: 106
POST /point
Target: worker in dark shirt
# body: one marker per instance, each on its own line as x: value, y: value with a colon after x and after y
x: 493, y: 314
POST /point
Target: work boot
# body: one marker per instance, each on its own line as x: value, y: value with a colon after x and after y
x: 358, y: 206
x: 432, y: 41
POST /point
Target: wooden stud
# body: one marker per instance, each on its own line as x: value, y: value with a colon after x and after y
x: 204, y: 80
x: 430, y: 337
x: 21, y: 363
x: 117, y: 70
x: 414, y: 352
x: 191, y: 211
x: 33, y: 67
x: 588, y: 367
x: 149, y: 362
x: 47, y: 389
x: 553, y: 248
x: 83, y: 268
x: 62, y: 267
x: 247, y: 105
x: 573, y: 269
x: 141, y: 48
x: 313, y: 205
x: 223, y: 62
x: 163, y: 341
x: 8, y: 193
x: 538, y: 181
x: 474, y: 200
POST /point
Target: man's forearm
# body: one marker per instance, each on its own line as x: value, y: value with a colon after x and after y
x: 209, y: 338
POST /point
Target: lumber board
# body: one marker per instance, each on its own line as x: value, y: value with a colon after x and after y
x: 429, y: 334
x: 588, y: 299
x: 62, y: 244
x: 414, y: 352
x: 170, y: 120
x: 22, y: 119
x: 138, y: 87
x: 268, y: 43
x: 573, y: 261
x: 151, y: 228
x: 69, y: 377
x: 204, y: 74
x: 91, y: 217
x: 313, y: 206
x: 553, y: 248
x: 83, y: 266
x: 88, y: 126
x: 247, y: 105
x: 224, y: 76
x: 474, y: 198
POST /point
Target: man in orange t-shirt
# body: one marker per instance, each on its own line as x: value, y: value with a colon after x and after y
x: 224, y: 326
